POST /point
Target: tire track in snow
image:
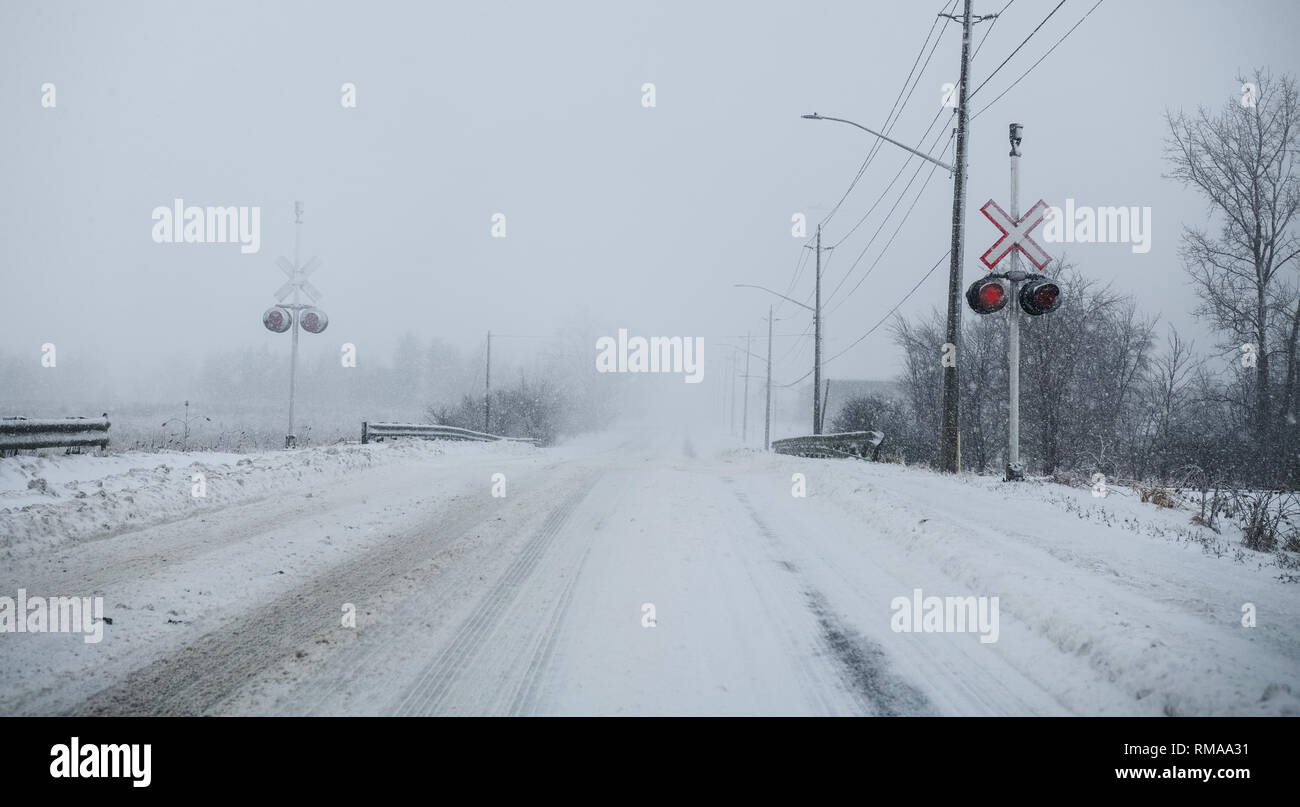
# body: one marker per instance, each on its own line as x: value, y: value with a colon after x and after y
x: 863, y: 664
x: 866, y: 666
x: 429, y: 694
x: 196, y: 679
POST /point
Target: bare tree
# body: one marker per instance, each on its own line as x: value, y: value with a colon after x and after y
x: 1243, y: 160
x: 922, y: 378
x: 1162, y: 401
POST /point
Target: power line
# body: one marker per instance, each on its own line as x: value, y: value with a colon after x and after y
x: 808, y: 329
x: 882, y: 320
x: 800, y: 265
x: 798, y: 268
x: 1017, y: 50
x: 884, y: 221
x: 922, y: 138
x: 1040, y: 60
x: 897, y: 305
x: 797, y: 343
x: 888, y: 124
x: 989, y: 30
x: 897, y: 229
x: 861, y: 171
x: 901, y: 169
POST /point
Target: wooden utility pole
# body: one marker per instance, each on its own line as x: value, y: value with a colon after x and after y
x: 767, y: 425
x: 817, y: 334
x: 744, y: 422
x: 948, y: 431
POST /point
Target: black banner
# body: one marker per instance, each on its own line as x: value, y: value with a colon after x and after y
x: 301, y: 756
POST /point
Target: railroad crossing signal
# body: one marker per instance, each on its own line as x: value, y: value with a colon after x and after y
x: 279, y: 318
x: 990, y: 293
x: 1015, y: 235
x: 1037, y: 296
x: 295, y: 315
x: 298, y: 279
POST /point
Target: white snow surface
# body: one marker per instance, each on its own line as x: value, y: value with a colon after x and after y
x: 52, y: 499
x: 534, y: 602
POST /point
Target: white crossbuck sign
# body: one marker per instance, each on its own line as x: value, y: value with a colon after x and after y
x: 1015, y: 235
x: 298, y: 279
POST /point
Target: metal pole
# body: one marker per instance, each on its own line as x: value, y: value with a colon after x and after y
x: 487, y: 388
x: 817, y: 342
x: 767, y: 422
x: 951, y: 389
x: 733, y: 394
x: 921, y: 154
x: 1013, y: 323
x: 290, y: 439
x: 744, y: 422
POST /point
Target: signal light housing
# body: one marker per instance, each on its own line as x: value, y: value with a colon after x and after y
x: 987, y: 295
x: 313, y: 320
x: 277, y: 319
x: 1038, y: 297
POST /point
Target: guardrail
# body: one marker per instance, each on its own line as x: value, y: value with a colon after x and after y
x: 379, y: 431
x: 21, y: 434
x: 843, y: 444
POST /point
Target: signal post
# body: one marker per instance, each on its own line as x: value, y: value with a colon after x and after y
x: 1034, y: 293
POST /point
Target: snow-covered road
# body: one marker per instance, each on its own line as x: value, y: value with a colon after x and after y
x: 763, y: 602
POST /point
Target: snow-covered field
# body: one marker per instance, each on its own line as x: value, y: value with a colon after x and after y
x: 636, y: 572
x: 51, y: 500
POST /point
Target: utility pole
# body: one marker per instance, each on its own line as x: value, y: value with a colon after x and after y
x: 487, y: 388
x: 767, y: 424
x: 817, y: 342
x: 951, y: 390
x: 744, y: 421
x: 291, y: 439
x: 1014, y: 470
x: 817, y: 337
x: 733, y: 394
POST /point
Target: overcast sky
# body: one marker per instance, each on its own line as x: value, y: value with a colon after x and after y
x: 617, y: 215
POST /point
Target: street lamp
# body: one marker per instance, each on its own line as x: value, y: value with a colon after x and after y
x: 769, y: 291
x: 949, y: 437
x: 921, y: 154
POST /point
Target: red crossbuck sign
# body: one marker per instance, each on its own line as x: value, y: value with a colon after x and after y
x: 1015, y: 235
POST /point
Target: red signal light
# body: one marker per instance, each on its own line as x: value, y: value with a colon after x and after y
x: 1039, y: 297
x: 277, y: 319
x: 313, y: 320
x: 986, y: 295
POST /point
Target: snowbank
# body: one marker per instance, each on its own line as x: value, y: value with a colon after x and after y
x: 1182, y: 619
